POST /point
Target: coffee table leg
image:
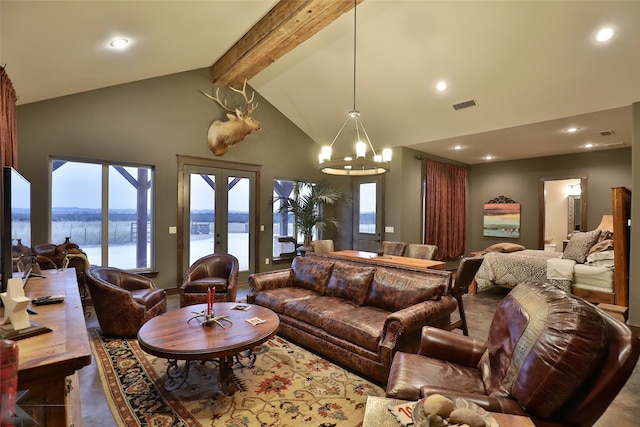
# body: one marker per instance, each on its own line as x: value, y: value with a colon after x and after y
x: 176, y: 375
x: 226, y: 375
x: 246, y: 358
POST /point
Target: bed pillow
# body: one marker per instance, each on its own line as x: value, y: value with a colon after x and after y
x: 602, y: 245
x: 505, y: 247
x: 579, y: 245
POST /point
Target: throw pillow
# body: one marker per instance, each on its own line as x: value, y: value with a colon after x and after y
x: 311, y: 273
x: 505, y: 247
x: 578, y: 247
x: 350, y: 282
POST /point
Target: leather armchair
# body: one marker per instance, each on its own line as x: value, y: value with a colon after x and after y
x: 549, y: 355
x: 216, y: 271
x: 123, y: 301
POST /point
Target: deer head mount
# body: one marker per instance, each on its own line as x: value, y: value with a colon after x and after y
x: 223, y: 134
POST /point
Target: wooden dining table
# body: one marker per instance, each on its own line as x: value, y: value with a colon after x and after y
x: 399, y: 261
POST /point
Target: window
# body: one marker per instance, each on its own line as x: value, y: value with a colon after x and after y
x: 367, y: 208
x: 284, y: 235
x: 105, y: 208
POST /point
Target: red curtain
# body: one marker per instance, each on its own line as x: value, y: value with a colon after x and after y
x: 8, y: 121
x: 445, y: 210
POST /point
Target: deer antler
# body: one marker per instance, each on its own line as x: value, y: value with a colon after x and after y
x: 249, y: 106
x: 217, y: 99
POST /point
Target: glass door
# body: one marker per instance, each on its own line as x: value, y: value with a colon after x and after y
x: 368, y: 213
x: 219, y: 215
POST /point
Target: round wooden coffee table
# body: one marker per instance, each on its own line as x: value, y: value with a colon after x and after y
x: 178, y: 335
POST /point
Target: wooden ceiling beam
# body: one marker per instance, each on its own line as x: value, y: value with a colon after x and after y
x: 285, y: 26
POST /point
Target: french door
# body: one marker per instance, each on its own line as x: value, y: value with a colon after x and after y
x: 368, y: 214
x: 218, y: 214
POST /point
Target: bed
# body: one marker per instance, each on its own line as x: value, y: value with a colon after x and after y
x: 594, y: 266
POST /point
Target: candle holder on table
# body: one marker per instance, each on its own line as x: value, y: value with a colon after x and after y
x: 209, y: 315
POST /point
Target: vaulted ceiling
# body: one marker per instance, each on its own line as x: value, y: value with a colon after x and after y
x: 532, y: 67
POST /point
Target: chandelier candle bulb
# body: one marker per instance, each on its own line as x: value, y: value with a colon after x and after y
x: 386, y: 155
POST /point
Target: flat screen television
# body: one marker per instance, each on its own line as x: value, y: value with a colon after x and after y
x: 16, y: 227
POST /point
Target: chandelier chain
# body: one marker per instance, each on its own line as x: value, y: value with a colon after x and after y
x: 355, y: 31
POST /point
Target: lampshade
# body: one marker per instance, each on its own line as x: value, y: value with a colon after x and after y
x: 606, y: 223
x: 357, y: 164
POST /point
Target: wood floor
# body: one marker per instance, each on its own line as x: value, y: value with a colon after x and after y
x: 624, y: 411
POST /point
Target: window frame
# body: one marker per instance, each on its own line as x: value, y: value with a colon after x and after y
x: 296, y: 235
x: 104, y: 207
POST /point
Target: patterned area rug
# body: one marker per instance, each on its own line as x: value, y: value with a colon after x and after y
x: 287, y: 386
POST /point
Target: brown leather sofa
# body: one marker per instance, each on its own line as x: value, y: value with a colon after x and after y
x: 357, y: 315
x: 549, y: 355
x: 216, y: 271
x: 123, y: 301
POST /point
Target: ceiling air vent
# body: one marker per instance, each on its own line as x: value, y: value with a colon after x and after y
x: 615, y: 144
x: 607, y: 133
x: 465, y: 104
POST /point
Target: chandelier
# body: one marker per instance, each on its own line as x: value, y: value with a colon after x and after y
x: 359, y: 164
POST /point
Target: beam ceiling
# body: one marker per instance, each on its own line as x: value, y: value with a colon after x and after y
x: 284, y: 27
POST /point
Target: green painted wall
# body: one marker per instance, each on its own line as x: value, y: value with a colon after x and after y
x: 151, y: 122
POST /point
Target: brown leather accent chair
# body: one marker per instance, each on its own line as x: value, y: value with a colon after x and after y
x: 415, y: 250
x: 549, y: 355
x: 123, y: 301
x: 393, y: 248
x: 462, y: 279
x: 216, y: 271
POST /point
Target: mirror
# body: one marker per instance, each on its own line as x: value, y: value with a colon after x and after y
x: 562, y: 210
x: 575, y: 214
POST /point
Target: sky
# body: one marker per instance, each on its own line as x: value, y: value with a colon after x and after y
x: 66, y: 191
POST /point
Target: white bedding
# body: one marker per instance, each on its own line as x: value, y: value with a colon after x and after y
x: 594, y: 278
x: 531, y: 265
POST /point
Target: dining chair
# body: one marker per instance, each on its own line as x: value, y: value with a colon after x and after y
x: 393, y: 248
x: 322, y: 246
x: 462, y: 279
x: 415, y: 250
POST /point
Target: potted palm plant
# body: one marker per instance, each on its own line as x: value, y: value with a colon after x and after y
x: 305, y: 204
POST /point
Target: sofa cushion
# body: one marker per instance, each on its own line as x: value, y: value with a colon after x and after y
x: 315, y: 310
x: 393, y: 291
x: 311, y: 273
x: 362, y: 326
x: 551, y: 347
x: 275, y: 299
x: 350, y: 282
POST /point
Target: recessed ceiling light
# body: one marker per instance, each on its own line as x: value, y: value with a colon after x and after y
x: 119, y: 43
x: 572, y: 129
x: 458, y: 147
x: 605, y: 34
x: 589, y: 145
x: 489, y: 157
x: 442, y: 86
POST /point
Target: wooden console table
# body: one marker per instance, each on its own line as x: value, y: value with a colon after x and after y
x: 390, y: 260
x: 48, y: 362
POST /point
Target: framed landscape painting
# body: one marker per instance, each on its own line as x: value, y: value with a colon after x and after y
x: 502, y: 220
